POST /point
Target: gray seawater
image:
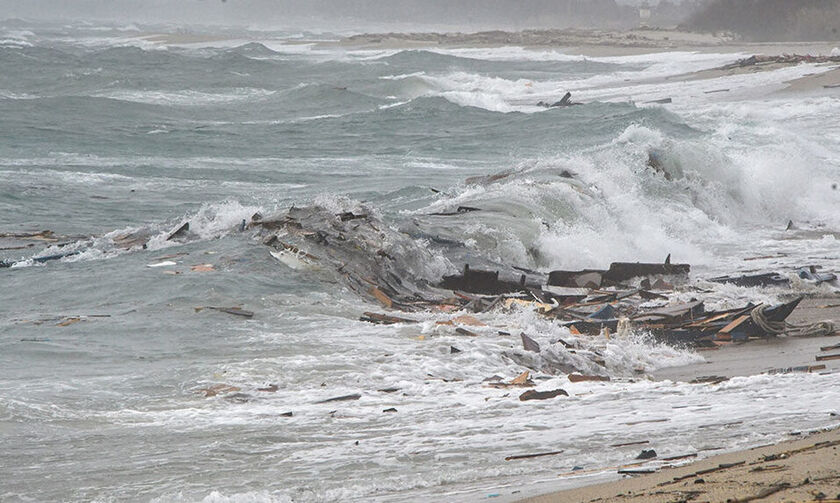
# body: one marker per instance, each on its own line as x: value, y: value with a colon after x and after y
x: 103, y: 132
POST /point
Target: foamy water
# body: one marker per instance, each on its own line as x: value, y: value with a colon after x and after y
x: 109, y: 132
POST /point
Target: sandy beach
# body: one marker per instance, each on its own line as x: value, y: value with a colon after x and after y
x: 799, y: 470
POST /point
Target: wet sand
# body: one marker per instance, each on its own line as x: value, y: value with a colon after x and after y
x: 804, y: 469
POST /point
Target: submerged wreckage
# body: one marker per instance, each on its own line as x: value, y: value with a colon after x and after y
x: 387, y: 266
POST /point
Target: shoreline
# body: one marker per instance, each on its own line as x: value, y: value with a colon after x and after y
x: 764, y: 468
x: 584, y: 42
x: 792, y: 470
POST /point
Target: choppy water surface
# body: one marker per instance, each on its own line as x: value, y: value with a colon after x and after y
x: 104, y: 132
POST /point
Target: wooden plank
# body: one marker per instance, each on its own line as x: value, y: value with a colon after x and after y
x: 735, y: 324
x: 381, y: 297
x: 828, y: 357
x: 527, y: 456
x: 829, y: 348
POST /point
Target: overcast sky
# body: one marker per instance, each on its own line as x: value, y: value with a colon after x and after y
x: 287, y: 13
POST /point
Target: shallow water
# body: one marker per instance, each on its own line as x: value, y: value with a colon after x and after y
x: 103, y: 133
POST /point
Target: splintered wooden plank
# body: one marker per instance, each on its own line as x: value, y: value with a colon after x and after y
x: 735, y: 324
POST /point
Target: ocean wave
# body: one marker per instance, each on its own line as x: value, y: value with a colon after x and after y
x: 187, y: 97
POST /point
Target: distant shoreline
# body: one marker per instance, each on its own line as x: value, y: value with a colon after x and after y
x: 586, y: 42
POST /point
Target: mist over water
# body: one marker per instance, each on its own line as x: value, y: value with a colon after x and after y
x: 108, y: 130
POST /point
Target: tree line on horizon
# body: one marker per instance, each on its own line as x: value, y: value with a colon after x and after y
x: 765, y: 20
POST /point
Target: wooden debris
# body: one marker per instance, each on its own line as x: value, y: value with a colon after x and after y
x: 236, y: 311
x: 179, y: 232
x: 821, y: 358
x: 637, y: 471
x: 384, y: 319
x: 541, y: 395
x: 582, y: 378
x: 217, y: 389
x: 763, y: 493
x: 521, y: 381
x: 344, y: 398
x: 466, y: 319
x: 803, y: 368
x: 464, y: 331
x: 202, y: 268
x: 627, y: 444
x: 68, y: 321
x: 529, y: 456
x: 643, y: 421
x: 381, y: 297
x: 829, y: 348
x: 529, y: 344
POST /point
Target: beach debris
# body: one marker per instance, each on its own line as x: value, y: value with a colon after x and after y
x: 801, y: 368
x: 565, y: 101
x: 460, y: 210
x: 484, y: 282
x: 217, y: 389
x: 179, y: 232
x: 529, y: 456
x: 165, y: 263
x: 542, y: 395
x: 822, y: 358
x: 202, y: 268
x: 464, y: 331
x: 236, y: 311
x: 529, y: 344
x: 584, y: 378
x: 453, y: 350
x: 637, y: 471
x: 618, y: 273
x: 384, y: 319
x: 391, y: 409
x: 646, y: 454
x: 784, y: 59
x: 627, y: 444
x: 344, y: 398
x: 523, y: 380
x: 662, y: 101
x: 67, y: 322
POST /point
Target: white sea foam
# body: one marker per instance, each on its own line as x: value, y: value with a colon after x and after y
x: 188, y: 97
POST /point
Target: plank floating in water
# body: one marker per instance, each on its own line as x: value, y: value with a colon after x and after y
x: 528, y: 456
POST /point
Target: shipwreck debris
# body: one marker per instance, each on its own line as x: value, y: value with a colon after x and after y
x: 542, y: 395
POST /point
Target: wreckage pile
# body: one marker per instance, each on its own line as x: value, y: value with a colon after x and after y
x: 784, y: 59
x: 390, y: 267
x: 377, y: 262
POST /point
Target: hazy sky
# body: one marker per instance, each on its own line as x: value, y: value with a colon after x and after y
x: 282, y: 13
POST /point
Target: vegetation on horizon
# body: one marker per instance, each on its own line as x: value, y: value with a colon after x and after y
x: 764, y: 20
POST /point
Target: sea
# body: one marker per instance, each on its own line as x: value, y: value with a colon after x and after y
x: 118, y: 383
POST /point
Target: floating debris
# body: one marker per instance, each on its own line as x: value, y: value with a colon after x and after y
x: 542, y: 395
x: 344, y: 398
